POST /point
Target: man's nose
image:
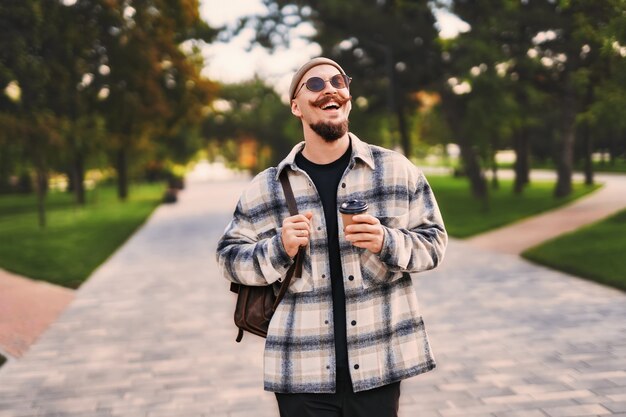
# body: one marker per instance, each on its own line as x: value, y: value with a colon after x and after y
x: 329, y: 88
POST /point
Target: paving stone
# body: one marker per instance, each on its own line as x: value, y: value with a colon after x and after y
x: 521, y: 413
x: 578, y: 410
x: 616, y: 407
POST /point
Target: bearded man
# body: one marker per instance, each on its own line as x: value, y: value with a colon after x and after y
x: 348, y: 330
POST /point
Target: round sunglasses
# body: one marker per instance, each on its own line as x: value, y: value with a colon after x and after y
x: 317, y: 84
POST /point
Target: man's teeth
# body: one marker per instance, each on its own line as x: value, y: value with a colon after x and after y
x: 329, y: 105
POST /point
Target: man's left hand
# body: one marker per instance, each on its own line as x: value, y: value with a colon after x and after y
x: 366, y: 233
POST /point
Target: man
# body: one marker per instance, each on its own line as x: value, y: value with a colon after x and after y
x: 348, y: 330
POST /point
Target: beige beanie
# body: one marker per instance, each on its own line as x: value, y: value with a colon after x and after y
x: 295, y: 81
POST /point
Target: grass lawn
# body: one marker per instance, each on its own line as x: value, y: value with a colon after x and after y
x: 464, y: 216
x: 76, y: 239
x: 595, y: 252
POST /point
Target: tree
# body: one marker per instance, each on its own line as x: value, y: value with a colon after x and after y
x: 253, y: 110
x: 389, y: 47
x: 492, y: 59
x: 149, y: 73
x: 568, y: 47
x: 28, y: 119
x: 71, y: 53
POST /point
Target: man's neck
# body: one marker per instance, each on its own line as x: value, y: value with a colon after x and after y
x: 321, y: 152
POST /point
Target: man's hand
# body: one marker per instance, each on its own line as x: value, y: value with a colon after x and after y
x: 366, y: 233
x: 295, y: 232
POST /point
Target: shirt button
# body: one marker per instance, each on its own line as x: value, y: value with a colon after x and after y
x: 351, y: 277
x: 356, y: 366
x: 325, y: 321
x: 319, y: 228
x: 323, y: 275
x: 327, y: 366
x: 280, y: 280
x: 353, y: 322
x: 343, y: 185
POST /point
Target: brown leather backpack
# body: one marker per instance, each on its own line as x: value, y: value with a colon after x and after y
x: 256, y: 304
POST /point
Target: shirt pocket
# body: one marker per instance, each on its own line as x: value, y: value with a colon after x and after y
x: 398, y: 219
x: 375, y: 272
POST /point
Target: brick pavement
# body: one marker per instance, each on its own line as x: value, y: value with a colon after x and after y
x: 27, y: 308
x: 150, y: 334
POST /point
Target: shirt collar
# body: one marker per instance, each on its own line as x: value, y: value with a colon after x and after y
x: 360, y: 150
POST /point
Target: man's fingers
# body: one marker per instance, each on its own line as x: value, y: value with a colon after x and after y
x: 298, y: 218
x: 365, y: 218
x: 361, y: 228
x: 361, y: 237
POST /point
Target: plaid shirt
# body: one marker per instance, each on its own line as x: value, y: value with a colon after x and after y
x: 387, y: 341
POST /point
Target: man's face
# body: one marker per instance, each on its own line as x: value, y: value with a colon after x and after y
x: 325, y: 111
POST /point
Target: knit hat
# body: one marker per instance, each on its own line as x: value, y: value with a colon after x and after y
x: 297, y: 77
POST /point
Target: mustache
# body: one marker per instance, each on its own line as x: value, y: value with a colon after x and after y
x: 336, y: 98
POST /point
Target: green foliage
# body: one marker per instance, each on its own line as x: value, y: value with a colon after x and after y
x: 465, y: 216
x: 99, y: 76
x: 595, y: 252
x: 252, y: 110
x: 389, y: 48
x: 77, y: 239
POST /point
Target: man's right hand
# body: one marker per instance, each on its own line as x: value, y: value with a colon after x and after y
x: 296, y: 231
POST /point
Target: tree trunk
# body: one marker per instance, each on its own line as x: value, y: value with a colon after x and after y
x: 588, y: 144
x: 586, y: 136
x: 70, y: 180
x: 78, y: 174
x: 122, y: 174
x: 5, y: 172
x: 472, y: 169
x: 565, y: 155
x: 405, y: 140
x: 495, y: 183
x: 521, y: 145
x: 41, y: 189
x: 468, y: 154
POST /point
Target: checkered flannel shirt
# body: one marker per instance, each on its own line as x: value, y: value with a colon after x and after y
x: 387, y: 341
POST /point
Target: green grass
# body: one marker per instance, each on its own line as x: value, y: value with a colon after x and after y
x: 595, y: 252
x: 76, y: 239
x: 465, y: 216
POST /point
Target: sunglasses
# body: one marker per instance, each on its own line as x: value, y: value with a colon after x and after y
x: 317, y: 84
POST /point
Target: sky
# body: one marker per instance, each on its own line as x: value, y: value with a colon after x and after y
x: 232, y: 62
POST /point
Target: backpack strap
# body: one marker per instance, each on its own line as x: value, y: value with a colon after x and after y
x: 296, y: 268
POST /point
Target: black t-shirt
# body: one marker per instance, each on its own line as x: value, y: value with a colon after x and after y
x: 326, y: 179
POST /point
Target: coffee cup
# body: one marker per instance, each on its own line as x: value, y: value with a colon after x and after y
x: 351, y: 208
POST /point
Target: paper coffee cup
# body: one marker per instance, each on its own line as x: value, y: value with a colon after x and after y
x: 351, y: 208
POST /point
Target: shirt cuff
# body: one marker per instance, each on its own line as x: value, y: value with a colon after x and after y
x: 281, y: 261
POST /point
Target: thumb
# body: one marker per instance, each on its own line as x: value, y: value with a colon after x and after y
x: 308, y: 215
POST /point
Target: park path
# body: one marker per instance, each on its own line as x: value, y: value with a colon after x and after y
x: 519, y: 236
x: 27, y: 308
x: 150, y: 334
x: 24, y: 316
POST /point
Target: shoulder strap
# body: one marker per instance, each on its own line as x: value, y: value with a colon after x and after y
x: 291, y: 201
x: 293, y: 210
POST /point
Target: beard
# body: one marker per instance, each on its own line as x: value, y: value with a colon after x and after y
x: 330, y: 132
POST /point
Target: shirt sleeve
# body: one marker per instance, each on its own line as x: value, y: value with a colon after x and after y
x: 420, y: 246
x: 245, y: 258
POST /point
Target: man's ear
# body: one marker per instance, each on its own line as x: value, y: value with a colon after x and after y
x: 295, y: 110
